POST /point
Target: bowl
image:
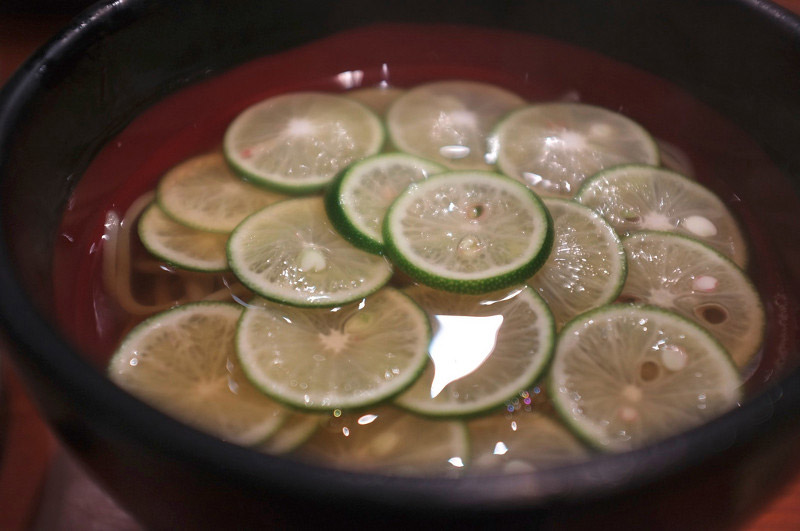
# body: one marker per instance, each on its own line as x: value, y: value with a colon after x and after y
x: 681, y: 68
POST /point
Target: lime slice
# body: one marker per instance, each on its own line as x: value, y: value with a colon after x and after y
x: 296, y: 430
x: 694, y: 280
x: 183, y: 362
x: 553, y: 147
x: 358, y: 199
x: 387, y: 440
x: 449, y: 121
x: 203, y: 193
x: 636, y: 197
x: 521, y: 442
x: 179, y: 245
x: 297, y: 143
x: 378, y: 99
x: 289, y: 252
x: 469, y: 232
x: 624, y: 376
x: 485, y: 349
x: 345, y: 357
x: 586, y: 267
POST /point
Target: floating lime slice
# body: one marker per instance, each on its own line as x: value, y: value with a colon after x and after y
x: 586, y: 267
x: 345, y: 357
x: 358, y: 199
x: 469, y: 232
x: 694, y: 280
x: 553, y: 147
x: 297, y: 143
x: 624, y: 376
x: 183, y: 362
x: 204, y: 194
x: 637, y: 197
x: 520, y: 442
x: 179, y: 245
x: 295, y: 430
x: 485, y: 349
x: 289, y: 252
x: 449, y: 121
x: 387, y: 440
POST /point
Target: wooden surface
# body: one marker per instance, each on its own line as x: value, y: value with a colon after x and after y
x: 35, y: 471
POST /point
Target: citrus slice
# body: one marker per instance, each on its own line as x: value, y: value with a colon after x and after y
x: 485, y: 349
x: 636, y: 197
x: 520, y: 442
x: 378, y: 99
x: 624, y: 376
x: 204, y: 194
x: 694, y: 280
x: 358, y: 199
x: 183, y: 362
x: 586, y: 267
x: 294, y: 431
x: 553, y: 147
x: 180, y: 245
x: 469, y: 232
x: 345, y: 357
x: 449, y: 121
x: 390, y: 441
x: 296, y: 143
x: 289, y: 252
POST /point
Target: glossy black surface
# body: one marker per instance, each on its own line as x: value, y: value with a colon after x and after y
x: 741, y: 57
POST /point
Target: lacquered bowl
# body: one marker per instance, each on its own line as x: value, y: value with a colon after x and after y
x: 738, y: 60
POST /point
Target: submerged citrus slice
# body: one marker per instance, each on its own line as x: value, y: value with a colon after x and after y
x: 485, y: 349
x: 388, y: 440
x: 449, y: 121
x: 289, y: 252
x: 183, y: 362
x: 694, y: 280
x: 469, y: 232
x: 344, y: 357
x: 586, y: 267
x: 521, y: 442
x: 358, y: 199
x: 378, y: 99
x: 553, y: 147
x: 203, y: 193
x: 624, y: 376
x: 296, y: 143
x: 294, y: 431
x: 636, y: 197
x: 180, y: 245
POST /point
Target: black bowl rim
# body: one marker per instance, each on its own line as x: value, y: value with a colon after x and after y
x: 41, y: 346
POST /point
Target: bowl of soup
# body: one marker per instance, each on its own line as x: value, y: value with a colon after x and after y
x: 277, y: 263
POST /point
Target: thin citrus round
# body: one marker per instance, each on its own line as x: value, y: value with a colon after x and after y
x: 294, y: 431
x: 449, y: 121
x: 485, y: 349
x: 345, y: 357
x: 296, y: 143
x: 358, y: 199
x: 586, y: 267
x: 521, y: 442
x: 290, y: 252
x: 390, y: 441
x: 183, y: 362
x: 553, y: 147
x: 694, y: 280
x: 203, y: 193
x: 180, y: 245
x: 637, y: 197
x: 468, y: 232
x: 625, y: 376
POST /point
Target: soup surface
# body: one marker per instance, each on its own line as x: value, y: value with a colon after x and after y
x: 107, y: 281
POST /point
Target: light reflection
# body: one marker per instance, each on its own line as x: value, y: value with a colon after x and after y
x: 366, y: 419
x: 350, y: 79
x: 461, y: 344
x: 500, y: 448
x: 456, y: 462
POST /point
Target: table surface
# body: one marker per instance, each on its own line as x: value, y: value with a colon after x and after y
x: 41, y: 487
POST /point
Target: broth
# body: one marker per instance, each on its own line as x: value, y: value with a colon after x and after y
x: 185, y: 124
